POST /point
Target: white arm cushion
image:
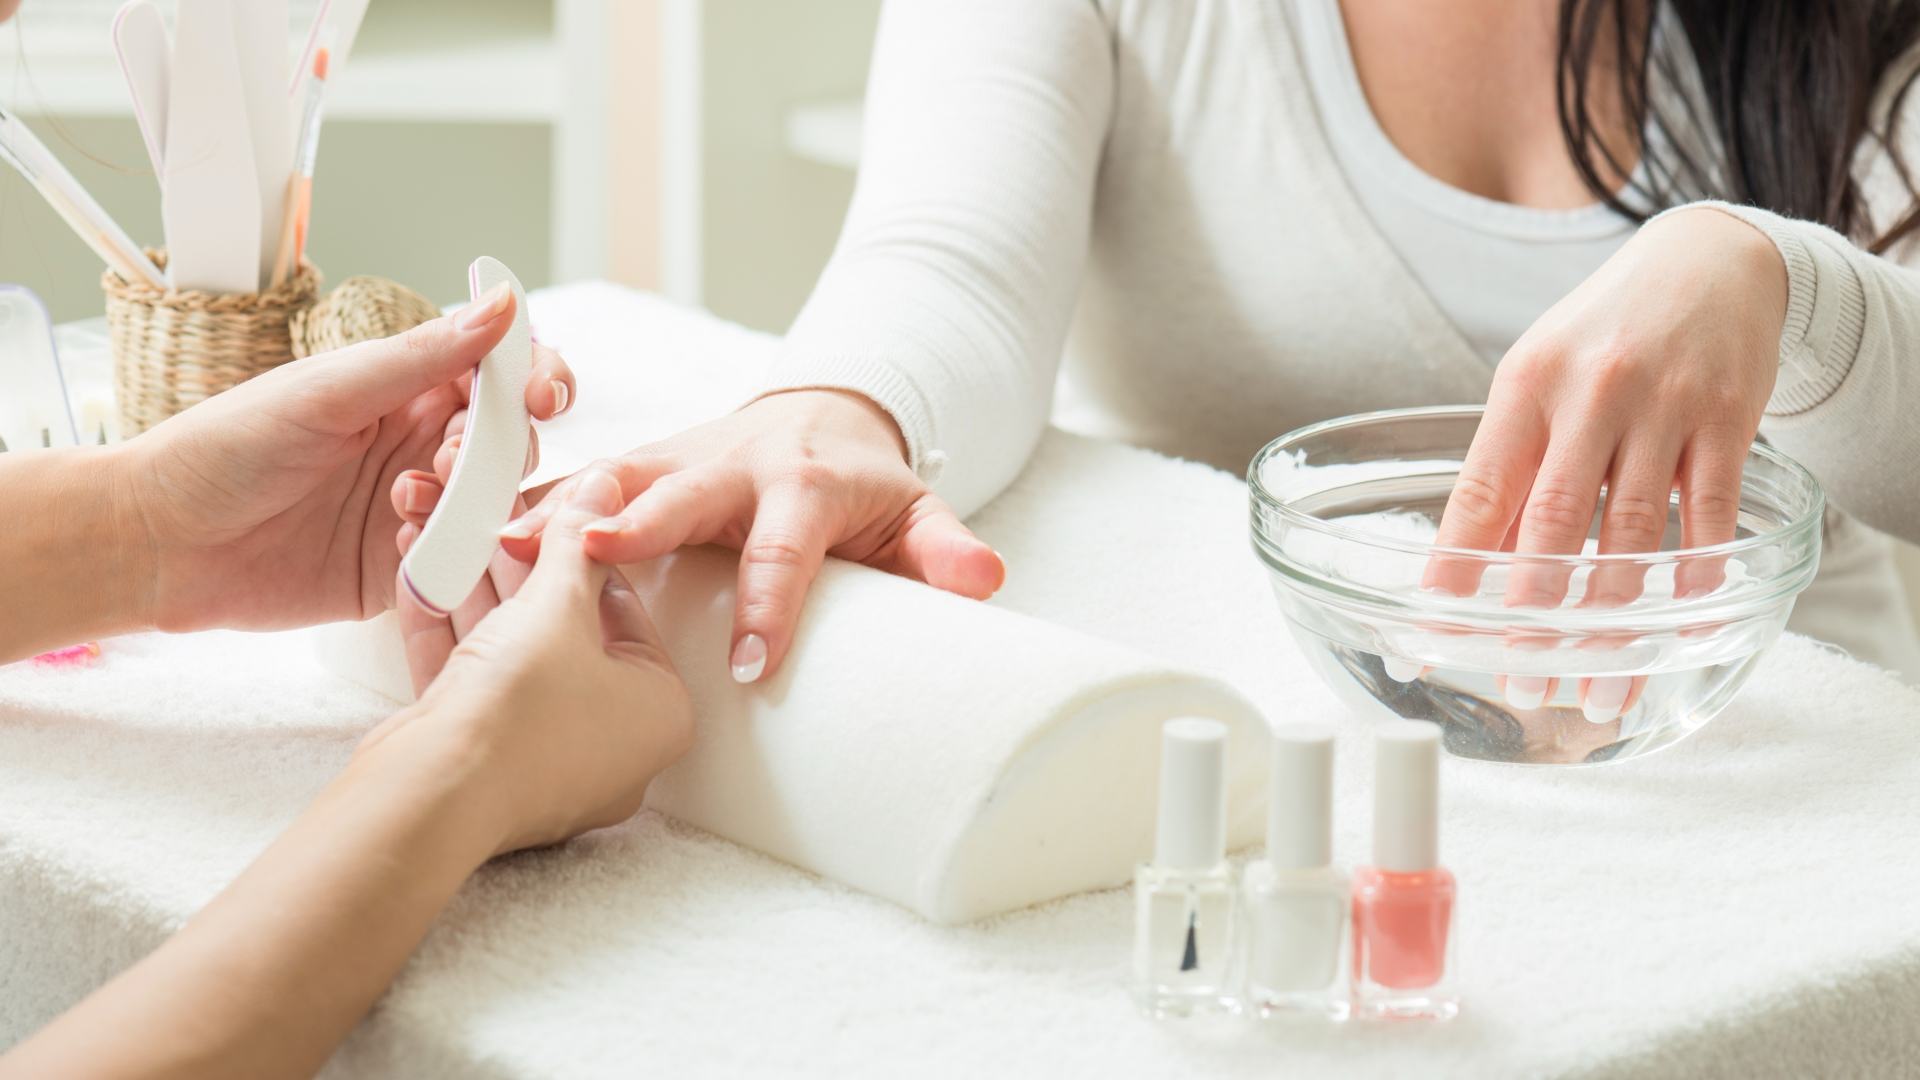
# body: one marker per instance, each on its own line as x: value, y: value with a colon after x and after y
x: 957, y: 758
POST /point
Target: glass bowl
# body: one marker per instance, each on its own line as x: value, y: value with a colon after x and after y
x: 1536, y: 659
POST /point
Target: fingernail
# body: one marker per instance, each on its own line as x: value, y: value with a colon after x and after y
x: 1401, y: 671
x: 484, y: 310
x: 1605, y: 697
x: 518, y: 530
x: 1526, y: 691
x: 562, y: 397
x: 603, y: 527
x: 749, y: 659
x: 419, y: 498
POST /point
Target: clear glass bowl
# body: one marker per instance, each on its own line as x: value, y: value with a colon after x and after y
x: 1559, y: 659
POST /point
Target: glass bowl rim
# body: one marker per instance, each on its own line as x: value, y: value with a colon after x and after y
x: 1266, y: 499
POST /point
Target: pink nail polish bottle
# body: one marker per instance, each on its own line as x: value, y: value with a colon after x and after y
x: 1403, y: 903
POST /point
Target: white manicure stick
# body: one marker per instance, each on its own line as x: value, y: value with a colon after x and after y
x: 452, y: 552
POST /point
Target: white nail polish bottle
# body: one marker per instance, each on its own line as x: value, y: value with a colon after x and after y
x: 1184, y: 918
x: 1294, y: 902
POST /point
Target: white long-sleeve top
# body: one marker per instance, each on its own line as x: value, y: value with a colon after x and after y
x: 1157, y: 178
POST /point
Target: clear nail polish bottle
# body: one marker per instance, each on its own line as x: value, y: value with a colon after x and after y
x: 1184, y: 898
x: 1403, y: 904
x: 1294, y: 902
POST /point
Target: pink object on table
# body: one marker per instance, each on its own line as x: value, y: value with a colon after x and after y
x: 70, y: 656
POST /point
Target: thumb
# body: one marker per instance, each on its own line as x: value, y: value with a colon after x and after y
x: 939, y: 550
x: 564, y: 566
x: 347, y: 389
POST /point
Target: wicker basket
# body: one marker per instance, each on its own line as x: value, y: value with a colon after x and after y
x: 175, y: 349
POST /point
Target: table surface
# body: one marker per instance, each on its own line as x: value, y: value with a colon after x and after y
x: 1739, y: 905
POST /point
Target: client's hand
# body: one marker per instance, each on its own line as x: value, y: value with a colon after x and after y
x: 1651, y: 375
x: 561, y: 700
x: 787, y: 480
x: 268, y: 505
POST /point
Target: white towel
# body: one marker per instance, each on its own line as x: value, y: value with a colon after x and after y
x: 1739, y: 905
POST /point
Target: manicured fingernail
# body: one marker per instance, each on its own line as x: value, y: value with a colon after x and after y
x: 518, y: 530
x: 484, y: 310
x: 562, y: 397
x: 1605, y: 697
x: 1401, y: 671
x: 749, y: 659
x: 603, y: 527
x: 1526, y: 691
x: 420, y: 497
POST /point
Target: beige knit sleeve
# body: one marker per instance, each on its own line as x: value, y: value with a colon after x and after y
x: 1847, y: 400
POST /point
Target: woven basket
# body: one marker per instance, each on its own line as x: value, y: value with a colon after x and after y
x: 175, y: 349
x: 358, y: 309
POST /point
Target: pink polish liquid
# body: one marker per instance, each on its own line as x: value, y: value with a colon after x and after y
x: 1401, y: 924
x: 1403, y: 904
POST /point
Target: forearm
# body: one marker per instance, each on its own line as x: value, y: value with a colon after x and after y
x: 276, y: 970
x: 74, y: 564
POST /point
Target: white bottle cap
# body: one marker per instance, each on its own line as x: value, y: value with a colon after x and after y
x: 1193, y: 795
x: 1406, y: 796
x: 1300, y: 804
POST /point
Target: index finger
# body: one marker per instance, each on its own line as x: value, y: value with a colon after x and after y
x: 563, y: 565
x: 1487, y: 494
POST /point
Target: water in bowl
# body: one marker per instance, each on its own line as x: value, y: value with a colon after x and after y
x: 1478, y: 721
x: 1517, y: 696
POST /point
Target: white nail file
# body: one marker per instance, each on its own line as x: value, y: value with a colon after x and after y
x: 452, y: 552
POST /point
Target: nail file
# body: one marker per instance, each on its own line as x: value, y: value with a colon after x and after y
x: 210, y: 199
x: 146, y: 58
x: 452, y: 552
x: 260, y: 39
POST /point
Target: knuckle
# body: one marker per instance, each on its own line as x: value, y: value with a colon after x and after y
x: 425, y: 340
x: 810, y: 476
x: 1477, y: 500
x: 1561, y: 509
x: 1612, y: 372
x: 1636, y: 519
x: 779, y: 550
x: 1715, y: 505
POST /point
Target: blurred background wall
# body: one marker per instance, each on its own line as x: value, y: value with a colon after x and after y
x: 701, y: 148
x: 643, y: 140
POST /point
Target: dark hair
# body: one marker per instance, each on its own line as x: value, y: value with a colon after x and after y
x: 1787, y: 88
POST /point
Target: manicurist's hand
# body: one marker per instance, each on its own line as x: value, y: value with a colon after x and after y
x: 269, y: 505
x: 1651, y: 375
x: 549, y: 719
x: 787, y: 481
x: 564, y: 687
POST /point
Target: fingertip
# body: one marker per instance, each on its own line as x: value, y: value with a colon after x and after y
x: 404, y: 539
x: 974, y: 570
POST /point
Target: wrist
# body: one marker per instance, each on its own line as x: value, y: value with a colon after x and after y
x: 431, y: 761
x: 1727, y: 240
x: 86, y: 558
x: 124, y: 483
x: 846, y: 411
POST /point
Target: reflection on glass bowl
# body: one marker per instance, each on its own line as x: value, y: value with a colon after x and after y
x: 1558, y: 659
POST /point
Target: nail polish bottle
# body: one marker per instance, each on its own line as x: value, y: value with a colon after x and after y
x: 1294, y: 902
x: 1184, y: 898
x: 1403, y: 903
